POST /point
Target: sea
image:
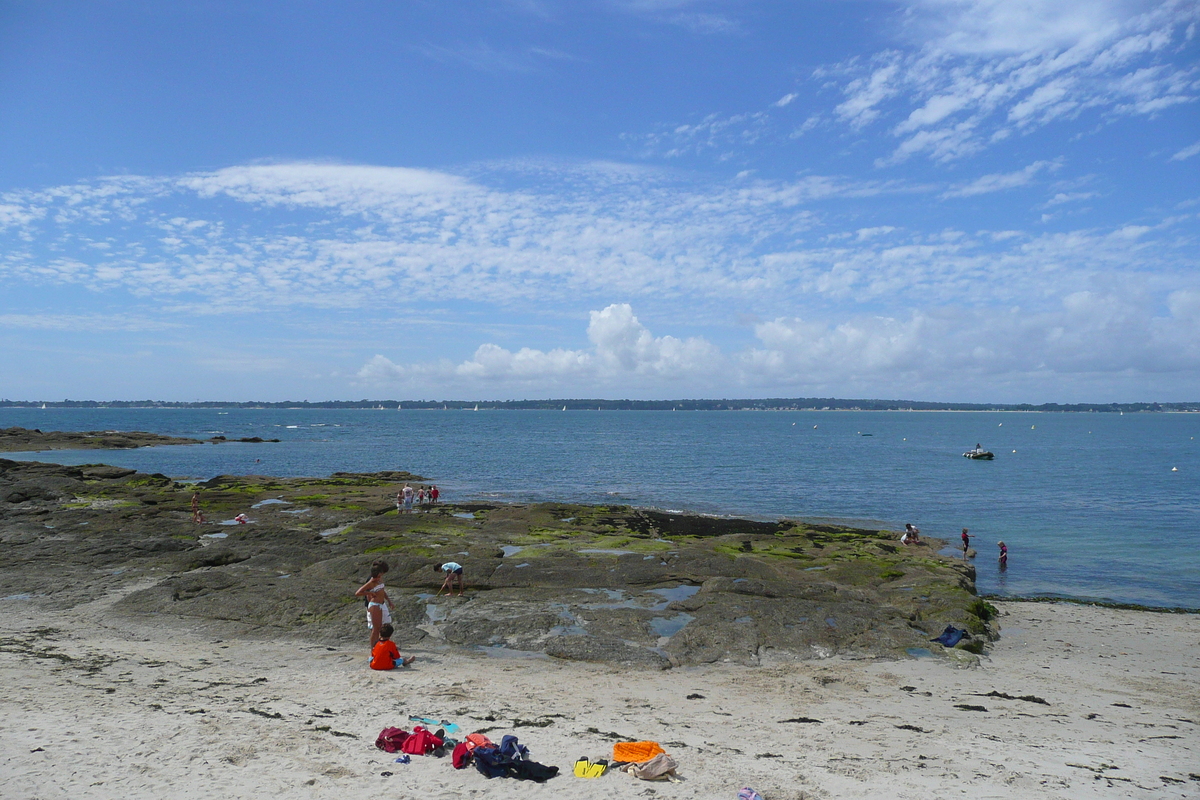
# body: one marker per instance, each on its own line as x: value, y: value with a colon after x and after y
x: 1092, y: 506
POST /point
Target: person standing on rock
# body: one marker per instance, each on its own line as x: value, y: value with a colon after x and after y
x: 379, y: 605
x: 433, y: 495
x: 407, y: 492
x: 197, y: 516
x: 966, y: 540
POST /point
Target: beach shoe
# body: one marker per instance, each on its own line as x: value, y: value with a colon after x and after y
x: 581, y: 768
x: 597, y: 769
x: 404, y: 759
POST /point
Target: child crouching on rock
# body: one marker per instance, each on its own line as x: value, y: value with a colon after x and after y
x: 386, y: 655
x: 454, y: 574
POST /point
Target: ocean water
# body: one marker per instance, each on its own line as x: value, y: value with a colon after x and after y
x: 1088, y: 504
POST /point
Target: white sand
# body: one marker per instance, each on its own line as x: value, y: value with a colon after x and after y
x: 164, y: 712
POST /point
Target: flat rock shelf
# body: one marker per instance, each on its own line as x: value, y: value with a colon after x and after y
x: 611, y: 584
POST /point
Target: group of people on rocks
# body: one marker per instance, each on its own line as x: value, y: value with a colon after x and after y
x: 384, y: 654
x: 407, y: 497
x: 912, y: 535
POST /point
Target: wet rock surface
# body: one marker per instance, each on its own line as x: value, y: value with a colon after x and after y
x: 31, y: 439
x: 14, y: 440
x: 591, y: 583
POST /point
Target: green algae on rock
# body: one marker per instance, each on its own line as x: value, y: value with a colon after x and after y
x: 596, y: 583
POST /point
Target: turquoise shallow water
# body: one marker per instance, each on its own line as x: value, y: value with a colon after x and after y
x: 1088, y: 503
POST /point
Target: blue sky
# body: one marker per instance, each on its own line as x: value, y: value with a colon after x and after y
x: 973, y: 200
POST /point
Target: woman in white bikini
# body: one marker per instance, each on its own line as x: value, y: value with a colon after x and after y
x: 379, y: 605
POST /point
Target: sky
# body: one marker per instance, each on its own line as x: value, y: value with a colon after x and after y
x: 950, y: 200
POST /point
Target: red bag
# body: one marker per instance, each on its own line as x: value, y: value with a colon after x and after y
x: 420, y: 742
x: 391, y: 739
x: 462, y: 755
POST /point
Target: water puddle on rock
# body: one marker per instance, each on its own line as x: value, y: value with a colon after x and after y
x: 666, y: 627
x: 682, y: 592
x: 617, y: 598
x: 270, y: 502
x: 510, y: 549
x: 214, y: 535
x: 919, y: 652
x: 334, y: 531
x: 463, y: 515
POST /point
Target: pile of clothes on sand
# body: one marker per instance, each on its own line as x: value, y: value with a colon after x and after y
x: 511, y: 759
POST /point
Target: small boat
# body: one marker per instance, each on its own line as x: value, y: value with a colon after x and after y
x: 979, y: 454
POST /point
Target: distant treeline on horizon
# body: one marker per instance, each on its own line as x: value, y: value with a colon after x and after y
x: 764, y: 404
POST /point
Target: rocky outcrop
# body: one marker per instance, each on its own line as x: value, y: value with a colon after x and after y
x: 26, y: 439
x: 593, y: 583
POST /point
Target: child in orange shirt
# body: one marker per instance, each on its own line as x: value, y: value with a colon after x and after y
x: 385, y: 655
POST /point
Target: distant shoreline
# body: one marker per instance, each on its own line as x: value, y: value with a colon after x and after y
x: 765, y: 404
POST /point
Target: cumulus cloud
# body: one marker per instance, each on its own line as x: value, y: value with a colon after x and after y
x: 1086, y: 333
x: 622, y: 349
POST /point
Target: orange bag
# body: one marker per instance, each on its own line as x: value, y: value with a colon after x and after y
x: 477, y: 740
x: 637, y: 752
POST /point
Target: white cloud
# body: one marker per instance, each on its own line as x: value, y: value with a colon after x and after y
x: 984, y: 69
x: 998, y: 182
x: 622, y: 348
x: 349, y: 238
x: 91, y: 323
x: 786, y: 100
x: 1069, y: 197
x: 18, y: 214
x: 1187, y: 152
x: 1009, y: 27
x: 1087, y: 334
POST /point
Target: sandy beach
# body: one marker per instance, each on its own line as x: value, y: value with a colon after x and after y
x: 98, y: 705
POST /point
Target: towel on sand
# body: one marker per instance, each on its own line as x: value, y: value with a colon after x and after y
x: 637, y: 752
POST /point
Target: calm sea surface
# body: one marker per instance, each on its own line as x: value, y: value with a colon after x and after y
x: 1088, y: 503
